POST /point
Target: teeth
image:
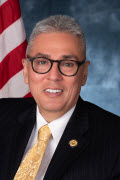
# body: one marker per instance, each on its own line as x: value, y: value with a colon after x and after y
x: 53, y: 90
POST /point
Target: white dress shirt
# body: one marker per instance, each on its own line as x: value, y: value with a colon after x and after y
x: 57, y: 128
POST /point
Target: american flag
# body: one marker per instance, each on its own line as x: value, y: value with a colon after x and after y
x: 12, y: 50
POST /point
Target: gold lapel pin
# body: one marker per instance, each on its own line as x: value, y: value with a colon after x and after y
x: 73, y: 143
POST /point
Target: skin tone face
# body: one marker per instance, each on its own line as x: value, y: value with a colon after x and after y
x: 56, y: 46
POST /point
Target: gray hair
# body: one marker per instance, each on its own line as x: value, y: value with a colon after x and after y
x: 55, y: 23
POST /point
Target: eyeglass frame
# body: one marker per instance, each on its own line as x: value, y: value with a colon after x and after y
x: 31, y: 59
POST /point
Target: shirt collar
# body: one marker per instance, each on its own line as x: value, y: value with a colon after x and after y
x: 57, y: 126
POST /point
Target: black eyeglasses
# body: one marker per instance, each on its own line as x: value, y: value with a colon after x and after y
x: 43, y: 65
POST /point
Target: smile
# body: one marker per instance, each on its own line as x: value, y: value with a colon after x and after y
x: 53, y: 90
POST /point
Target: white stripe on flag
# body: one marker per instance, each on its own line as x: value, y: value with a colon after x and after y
x: 15, y: 87
x: 2, y: 2
x: 11, y: 37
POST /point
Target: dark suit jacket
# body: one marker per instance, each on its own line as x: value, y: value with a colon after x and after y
x: 96, y: 157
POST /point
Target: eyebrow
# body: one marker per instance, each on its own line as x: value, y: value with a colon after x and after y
x: 65, y: 57
x: 69, y: 57
x: 42, y: 55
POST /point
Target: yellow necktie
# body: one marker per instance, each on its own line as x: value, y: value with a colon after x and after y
x: 31, y: 163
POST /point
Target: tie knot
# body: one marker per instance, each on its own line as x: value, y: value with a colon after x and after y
x: 44, y: 133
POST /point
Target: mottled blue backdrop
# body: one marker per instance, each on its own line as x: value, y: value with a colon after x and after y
x: 100, y: 21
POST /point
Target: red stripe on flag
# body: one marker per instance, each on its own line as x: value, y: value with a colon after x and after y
x: 28, y: 95
x: 9, y: 13
x: 12, y: 63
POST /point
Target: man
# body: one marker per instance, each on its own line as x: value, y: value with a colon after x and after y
x: 84, y: 141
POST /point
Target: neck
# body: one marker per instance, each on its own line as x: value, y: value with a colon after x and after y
x: 51, y: 116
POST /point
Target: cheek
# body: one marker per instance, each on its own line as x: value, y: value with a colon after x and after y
x: 35, y: 82
x: 34, y: 77
x: 74, y: 86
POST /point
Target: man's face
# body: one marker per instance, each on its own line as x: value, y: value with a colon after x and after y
x: 56, y: 46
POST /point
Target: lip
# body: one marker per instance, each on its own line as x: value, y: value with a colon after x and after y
x: 53, y: 94
x: 55, y: 88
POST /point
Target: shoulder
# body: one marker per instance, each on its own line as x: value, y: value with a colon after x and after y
x: 98, y: 112
x: 16, y: 100
x: 13, y: 110
x: 12, y: 104
x: 103, y: 122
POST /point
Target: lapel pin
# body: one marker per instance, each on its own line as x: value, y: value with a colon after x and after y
x: 73, y: 143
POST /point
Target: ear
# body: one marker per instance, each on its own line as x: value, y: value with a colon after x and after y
x: 25, y: 70
x: 85, y: 72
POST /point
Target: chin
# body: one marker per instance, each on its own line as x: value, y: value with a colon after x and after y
x: 54, y: 108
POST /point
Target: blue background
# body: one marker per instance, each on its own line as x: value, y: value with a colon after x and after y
x: 100, y: 20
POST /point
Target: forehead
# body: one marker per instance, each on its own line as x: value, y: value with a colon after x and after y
x: 56, y: 43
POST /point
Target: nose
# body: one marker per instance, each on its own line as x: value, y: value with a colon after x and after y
x: 54, y: 74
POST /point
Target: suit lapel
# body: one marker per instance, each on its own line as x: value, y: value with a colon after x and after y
x: 25, y: 124
x: 65, y: 155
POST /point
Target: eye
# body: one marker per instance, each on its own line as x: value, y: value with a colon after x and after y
x: 41, y: 61
x: 68, y: 64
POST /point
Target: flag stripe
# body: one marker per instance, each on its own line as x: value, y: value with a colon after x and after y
x: 12, y: 63
x: 12, y: 37
x: 12, y: 50
x: 11, y: 90
x: 13, y: 13
x: 28, y: 95
x: 2, y: 2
